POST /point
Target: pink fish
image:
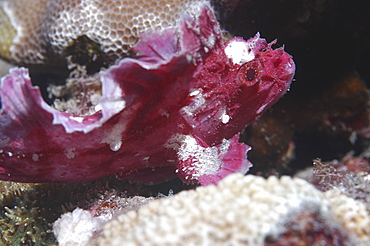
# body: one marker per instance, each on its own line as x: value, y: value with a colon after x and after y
x: 174, y: 110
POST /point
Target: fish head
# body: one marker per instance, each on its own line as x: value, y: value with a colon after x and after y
x: 234, y: 85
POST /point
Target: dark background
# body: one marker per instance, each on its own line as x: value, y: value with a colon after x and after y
x: 328, y: 101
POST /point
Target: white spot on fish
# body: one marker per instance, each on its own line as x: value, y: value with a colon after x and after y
x: 195, y: 92
x: 70, y: 153
x: 198, y: 103
x: 35, y: 157
x: 225, y: 118
x: 114, y: 137
x: 77, y: 118
x: 240, y: 52
x: 205, y: 160
x: 115, y: 146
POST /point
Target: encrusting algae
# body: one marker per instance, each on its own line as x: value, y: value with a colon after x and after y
x: 25, y: 217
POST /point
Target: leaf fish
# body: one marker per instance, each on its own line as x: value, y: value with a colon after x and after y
x: 176, y: 109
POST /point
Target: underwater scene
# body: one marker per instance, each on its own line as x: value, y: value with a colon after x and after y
x: 184, y: 122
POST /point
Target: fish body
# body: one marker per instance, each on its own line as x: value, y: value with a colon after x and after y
x: 174, y: 110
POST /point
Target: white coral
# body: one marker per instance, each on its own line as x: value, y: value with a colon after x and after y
x: 352, y: 213
x: 44, y: 28
x: 76, y: 228
x: 240, y: 211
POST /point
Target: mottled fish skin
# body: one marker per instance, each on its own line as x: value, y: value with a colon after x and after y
x: 37, y: 32
x: 174, y: 110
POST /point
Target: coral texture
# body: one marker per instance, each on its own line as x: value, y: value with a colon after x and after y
x: 43, y: 29
x: 76, y: 228
x: 241, y: 210
x: 177, y: 108
x: 82, y: 227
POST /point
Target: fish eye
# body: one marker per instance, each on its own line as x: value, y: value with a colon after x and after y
x: 248, y: 73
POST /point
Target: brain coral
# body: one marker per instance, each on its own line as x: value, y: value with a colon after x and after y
x: 38, y: 31
x: 243, y: 211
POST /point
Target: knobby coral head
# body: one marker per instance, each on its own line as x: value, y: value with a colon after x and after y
x: 174, y: 109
